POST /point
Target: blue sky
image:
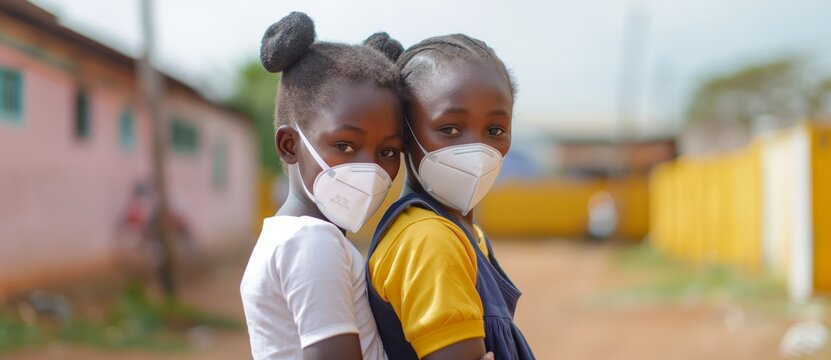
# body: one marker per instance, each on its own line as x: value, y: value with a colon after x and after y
x: 566, y: 55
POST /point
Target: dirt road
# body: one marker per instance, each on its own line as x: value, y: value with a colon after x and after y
x: 562, y: 283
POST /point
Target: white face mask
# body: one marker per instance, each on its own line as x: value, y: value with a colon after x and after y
x: 457, y: 176
x: 347, y: 194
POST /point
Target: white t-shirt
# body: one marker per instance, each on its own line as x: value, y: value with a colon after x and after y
x: 305, y: 283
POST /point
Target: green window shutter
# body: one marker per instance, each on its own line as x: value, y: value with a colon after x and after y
x: 11, y: 95
x: 219, y: 174
x: 184, y: 136
x: 126, y: 128
x: 83, y: 126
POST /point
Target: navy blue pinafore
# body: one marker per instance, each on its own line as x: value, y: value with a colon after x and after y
x: 499, y: 296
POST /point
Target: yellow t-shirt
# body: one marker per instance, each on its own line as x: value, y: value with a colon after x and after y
x: 425, y: 267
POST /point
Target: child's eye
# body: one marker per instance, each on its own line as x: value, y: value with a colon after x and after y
x: 389, y: 153
x: 345, y: 147
x: 450, y: 130
x: 495, y: 131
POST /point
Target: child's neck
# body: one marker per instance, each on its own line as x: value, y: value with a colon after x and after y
x: 298, y: 203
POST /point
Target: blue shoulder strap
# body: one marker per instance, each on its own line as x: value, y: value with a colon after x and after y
x: 412, y: 199
x: 394, y: 210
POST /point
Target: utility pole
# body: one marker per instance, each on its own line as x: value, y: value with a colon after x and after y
x: 632, y: 59
x: 151, y: 88
x: 631, y: 70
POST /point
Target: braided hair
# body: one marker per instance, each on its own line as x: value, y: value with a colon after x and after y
x: 421, y: 60
x: 312, y: 70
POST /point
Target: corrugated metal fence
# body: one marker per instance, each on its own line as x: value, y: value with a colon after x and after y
x: 765, y: 206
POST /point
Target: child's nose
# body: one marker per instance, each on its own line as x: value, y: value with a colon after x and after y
x: 365, y: 157
x: 474, y: 137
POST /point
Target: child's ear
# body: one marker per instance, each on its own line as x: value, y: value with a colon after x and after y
x: 285, y: 140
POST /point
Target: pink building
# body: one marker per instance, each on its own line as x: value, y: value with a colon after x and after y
x: 75, y: 142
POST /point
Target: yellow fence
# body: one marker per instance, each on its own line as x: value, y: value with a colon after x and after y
x: 544, y: 208
x: 740, y: 208
x: 264, y: 202
x: 708, y: 210
x: 820, y: 140
x: 559, y: 207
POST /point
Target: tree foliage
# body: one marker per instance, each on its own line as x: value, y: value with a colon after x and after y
x: 786, y: 88
x: 255, y: 92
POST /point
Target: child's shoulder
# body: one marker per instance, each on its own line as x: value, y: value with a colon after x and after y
x: 418, y: 217
x: 417, y: 213
x: 416, y: 222
x: 297, y: 232
x: 291, y: 242
x: 421, y: 237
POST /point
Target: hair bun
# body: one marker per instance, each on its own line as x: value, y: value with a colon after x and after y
x: 388, y: 46
x: 286, y: 41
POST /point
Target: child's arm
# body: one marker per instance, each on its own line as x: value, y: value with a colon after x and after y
x: 346, y: 346
x: 466, y: 349
x: 428, y: 275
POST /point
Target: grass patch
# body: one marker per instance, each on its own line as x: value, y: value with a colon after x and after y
x: 16, y: 334
x: 661, y: 279
x: 134, y: 321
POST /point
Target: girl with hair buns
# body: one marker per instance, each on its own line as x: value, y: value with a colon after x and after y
x: 338, y: 130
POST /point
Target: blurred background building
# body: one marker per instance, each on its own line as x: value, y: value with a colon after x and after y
x: 76, y: 171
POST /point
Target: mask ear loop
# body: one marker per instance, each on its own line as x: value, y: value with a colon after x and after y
x: 410, y: 157
x: 326, y: 169
x: 312, y: 151
x: 423, y: 150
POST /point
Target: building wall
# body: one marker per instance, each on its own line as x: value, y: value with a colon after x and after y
x: 62, y: 198
x: 600, y: 157
x: 219, y: 212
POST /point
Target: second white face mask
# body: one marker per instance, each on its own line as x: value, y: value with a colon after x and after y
x: 347, y: 194
x: 458, y: 176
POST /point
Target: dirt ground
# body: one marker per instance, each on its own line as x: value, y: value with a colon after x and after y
x: 558, y: 312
